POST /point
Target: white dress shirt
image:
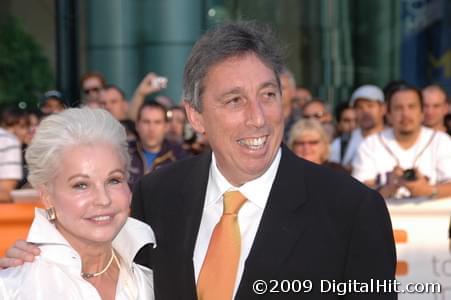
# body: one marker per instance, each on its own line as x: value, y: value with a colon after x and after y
x: 249, y: 216
x: 55, y: 274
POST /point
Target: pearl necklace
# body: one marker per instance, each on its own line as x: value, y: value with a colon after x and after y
x: 87, y: 275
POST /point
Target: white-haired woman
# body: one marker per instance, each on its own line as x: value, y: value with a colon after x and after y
x: 308, y: 139
x: 78, y: 162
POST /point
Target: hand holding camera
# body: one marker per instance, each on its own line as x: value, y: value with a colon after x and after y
x: 152, y: 83
x: 160, y: 82
x: 419, y: 185
x: 409, y: 175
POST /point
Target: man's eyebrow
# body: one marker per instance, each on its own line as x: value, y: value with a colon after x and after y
x: 269, y: 84
x: 237, y: 90
x: 233, y: 91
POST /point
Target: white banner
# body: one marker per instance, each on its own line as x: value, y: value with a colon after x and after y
x: 423, y: 246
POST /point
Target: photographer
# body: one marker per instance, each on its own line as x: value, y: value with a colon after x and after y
x: 407, y: 160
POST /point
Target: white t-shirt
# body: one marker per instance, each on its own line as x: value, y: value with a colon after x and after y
x: 430, y: 154
x: 354, y: 143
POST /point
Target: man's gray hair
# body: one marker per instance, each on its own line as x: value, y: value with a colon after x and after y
x: 71, y: 127
x: 223, y: 42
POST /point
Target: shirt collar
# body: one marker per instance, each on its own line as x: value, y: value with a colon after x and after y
x: 130, y: 239
x: 256, y: 191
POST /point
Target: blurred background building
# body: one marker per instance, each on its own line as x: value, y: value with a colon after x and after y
x: 332, y: 46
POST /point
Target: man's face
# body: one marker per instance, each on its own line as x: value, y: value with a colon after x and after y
x: 303, y: 96
x: 91, y: 89
x: 317, y: 111
x: 405, y: 112
x: 347, y: 121
x: 288, y: 89
x: 152, y: 128
x: 435, y: 107
x: 176, y: 124
x: 369, y: 113
x: 241, y: 117
x: 52, y: 105
x: 112, y: 101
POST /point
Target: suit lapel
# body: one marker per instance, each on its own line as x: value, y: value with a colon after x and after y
x: 193, y: 191
x: 282, y: 224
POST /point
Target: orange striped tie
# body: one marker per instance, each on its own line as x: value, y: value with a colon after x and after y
x: 218, y: 273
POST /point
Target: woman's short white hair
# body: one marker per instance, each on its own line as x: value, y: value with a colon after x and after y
x: 71, y: 127
x: 310, y: 125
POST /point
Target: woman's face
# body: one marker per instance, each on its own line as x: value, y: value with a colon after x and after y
x: 20, y: 129
x: 309, y: 146
x: 90, y: 195
x: 33, y: 121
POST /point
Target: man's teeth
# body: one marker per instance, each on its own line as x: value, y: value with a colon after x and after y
x: 102, y: 218
x: 253, y: 143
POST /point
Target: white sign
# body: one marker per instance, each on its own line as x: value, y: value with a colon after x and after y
x: 423, y: 245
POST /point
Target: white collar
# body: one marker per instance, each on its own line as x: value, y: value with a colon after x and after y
x: 130, y: 239
x: 256, y: 191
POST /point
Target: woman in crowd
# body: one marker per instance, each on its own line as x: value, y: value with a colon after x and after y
x: 309, y: 140
x: 78, y: 161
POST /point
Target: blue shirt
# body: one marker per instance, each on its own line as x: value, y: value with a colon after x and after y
x: 150, y: 157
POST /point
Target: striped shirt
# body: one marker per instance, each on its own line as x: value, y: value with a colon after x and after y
x: 10, y: 156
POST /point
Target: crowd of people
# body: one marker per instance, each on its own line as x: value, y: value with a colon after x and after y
x: 394, y: 139
x: 158, y: 132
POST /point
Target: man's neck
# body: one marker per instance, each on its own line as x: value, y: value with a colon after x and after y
x: 407, y: 140
x: 439, y: 127
x: 375, y: 129
x: 153, y: 149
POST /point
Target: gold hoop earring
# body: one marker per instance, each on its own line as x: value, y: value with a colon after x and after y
x: 51, y: 214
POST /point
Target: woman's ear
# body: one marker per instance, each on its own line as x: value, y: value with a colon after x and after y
x: 44, y: 196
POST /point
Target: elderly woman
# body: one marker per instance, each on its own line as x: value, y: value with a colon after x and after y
x: 78, y: 162
x: 309, y: 140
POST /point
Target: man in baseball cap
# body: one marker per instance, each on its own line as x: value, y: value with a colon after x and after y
x: 52, y: 102
x: 368, y: 102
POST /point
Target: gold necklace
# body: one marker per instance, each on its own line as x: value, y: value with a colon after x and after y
x: 87, y: 275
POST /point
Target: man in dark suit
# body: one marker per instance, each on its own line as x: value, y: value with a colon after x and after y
x: 250, y: 220
x: 300, y: 222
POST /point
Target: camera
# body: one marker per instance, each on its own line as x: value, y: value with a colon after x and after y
x: 160, y: 82
x: 409, y: 175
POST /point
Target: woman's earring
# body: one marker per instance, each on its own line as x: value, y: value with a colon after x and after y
x: 51, y: 214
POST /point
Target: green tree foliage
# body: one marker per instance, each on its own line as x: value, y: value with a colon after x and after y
x: 24, y: 70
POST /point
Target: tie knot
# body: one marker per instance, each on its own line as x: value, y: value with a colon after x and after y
x: 233, y: 201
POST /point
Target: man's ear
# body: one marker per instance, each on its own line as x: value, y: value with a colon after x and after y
x: 388, y: 117
x: 195, y: 118
x: 384, y: 109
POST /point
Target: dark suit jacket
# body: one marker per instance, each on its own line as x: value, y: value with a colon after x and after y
x: 318, y: 224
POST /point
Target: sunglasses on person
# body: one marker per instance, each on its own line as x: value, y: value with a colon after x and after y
x: 348, y: 120
x: 304, y: 143
x: 317, y: 115
x: 89, y: 90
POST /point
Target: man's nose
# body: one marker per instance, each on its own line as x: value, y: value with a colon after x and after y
x: 255, y: 114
